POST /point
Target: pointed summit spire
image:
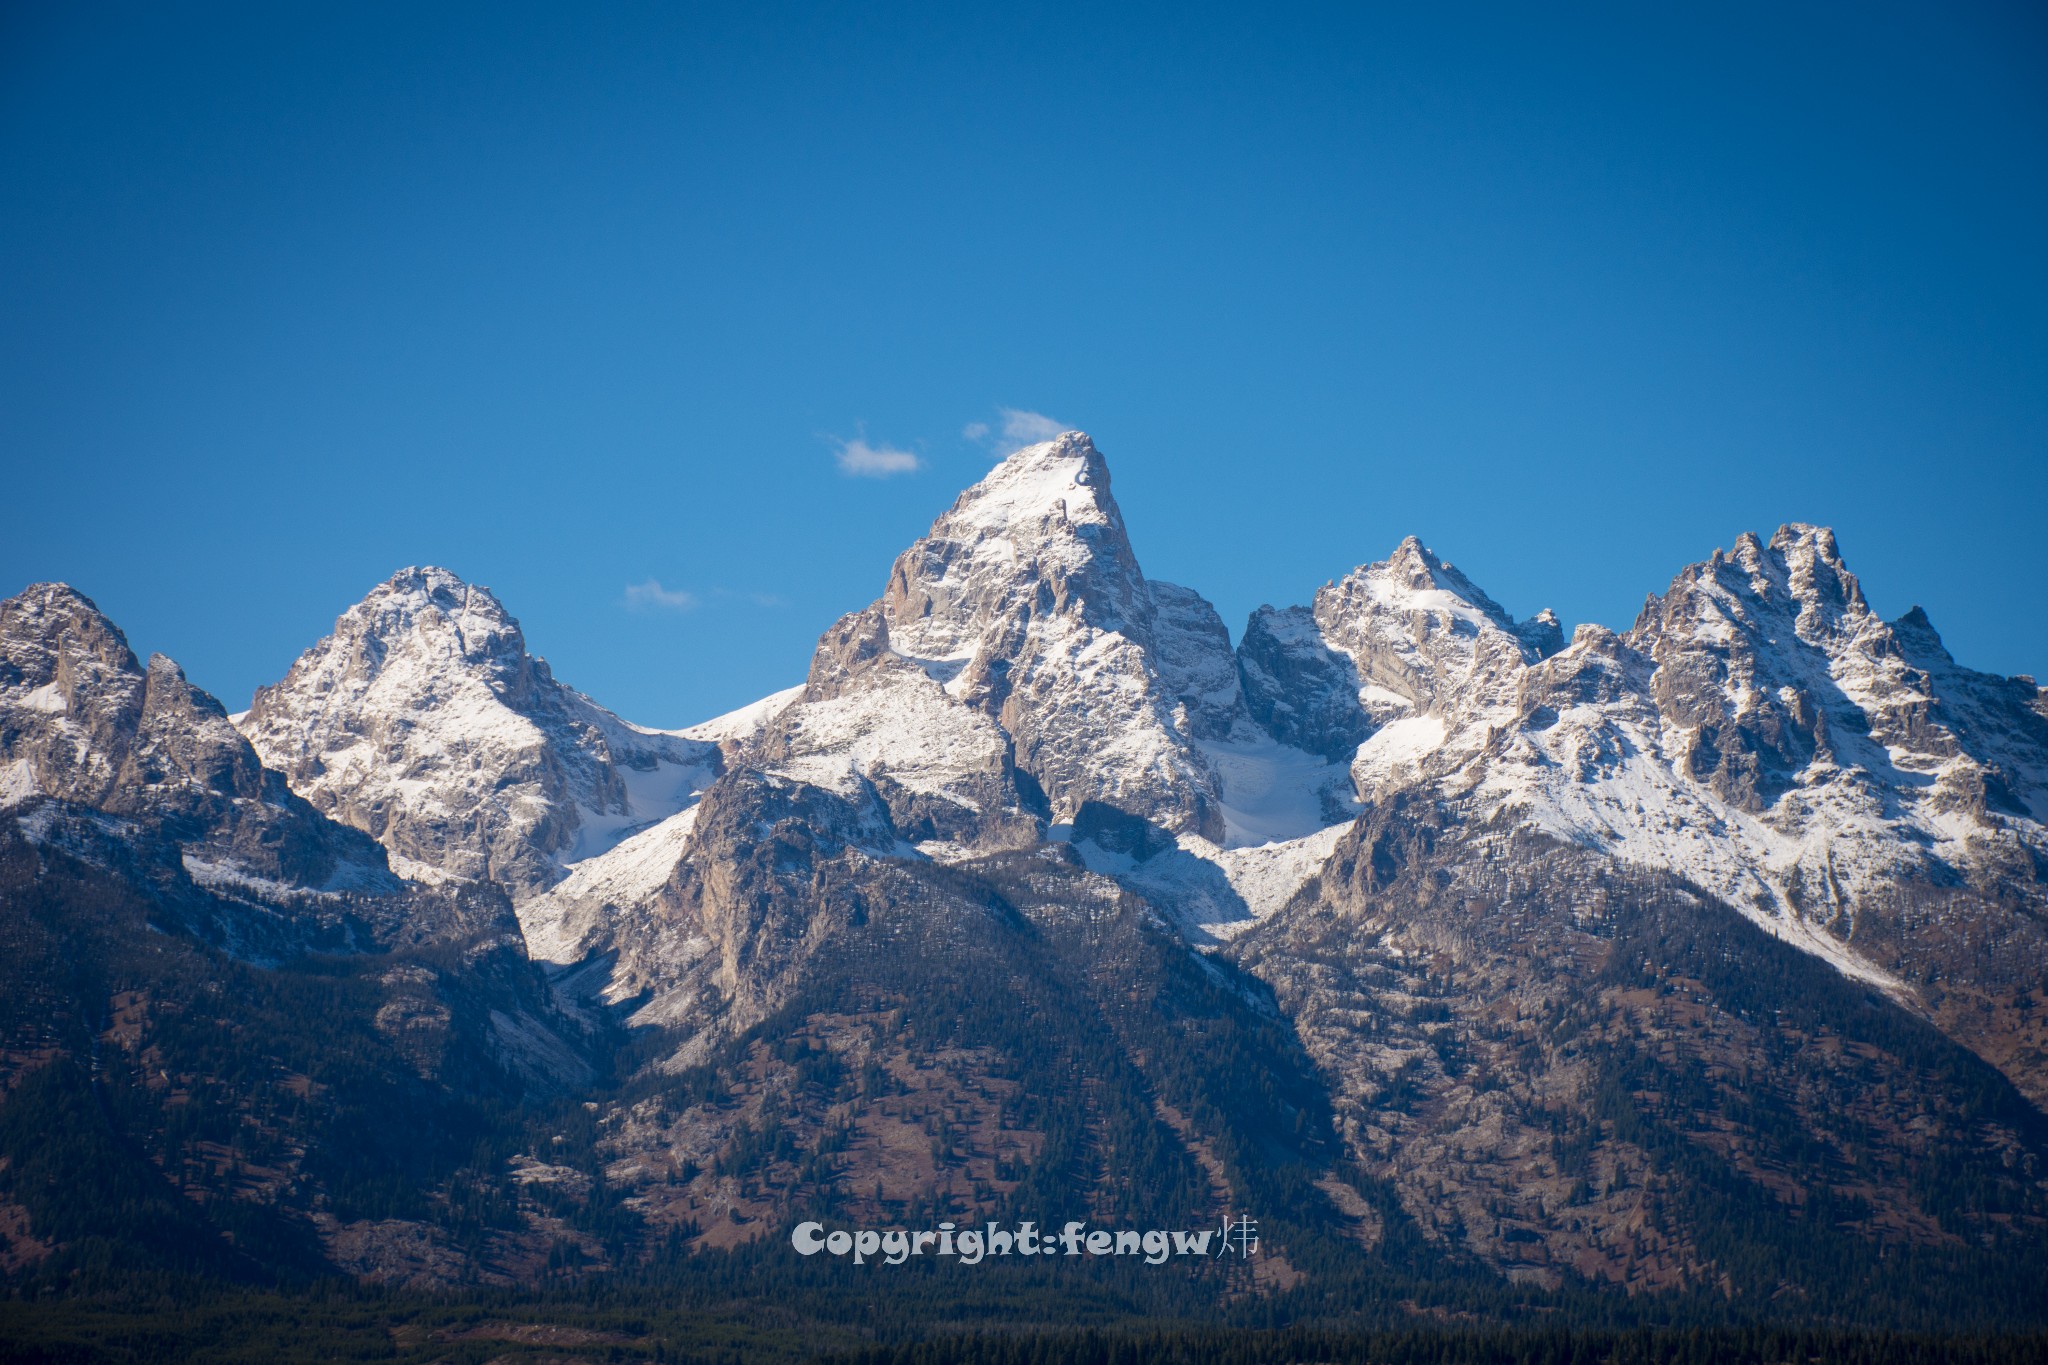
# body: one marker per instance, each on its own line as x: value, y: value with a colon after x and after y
x: 1025, y: 605
x: 1046, y: 515
x: 1065, y: 480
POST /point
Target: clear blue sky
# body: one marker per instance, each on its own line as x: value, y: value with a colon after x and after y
x: 576, y: 298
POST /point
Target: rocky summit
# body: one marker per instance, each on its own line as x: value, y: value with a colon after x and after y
x: 423, y: 722
x: 1700, y: 962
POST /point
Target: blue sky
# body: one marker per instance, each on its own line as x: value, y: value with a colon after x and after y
x: 589, y: 306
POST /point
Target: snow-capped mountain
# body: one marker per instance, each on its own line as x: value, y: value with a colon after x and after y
x: 1760, y: 733
x: 1021, y: 675
x: 1020, y: 635
x: 423, y: 721
x: 87, y: 727
x: 1535, y: 949
x: 1019, y: 680
x: 1759, y: 729
x: 1367, y: 671
x: 1017, y: 671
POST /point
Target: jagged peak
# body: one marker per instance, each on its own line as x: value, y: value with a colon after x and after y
x: 1592, y: 636
x: 1061, y: 480
x: 443, y: 586
x: 1543, y: 633
x: 424, y: 632
x: 91, y: 725
x: 1798, y: 537
x: 439, y: 589
x: 1410, y: 578
x: 422, y: 600
x: 1793, y: 542
x: 1647, y: 614
x: 1399, y: 594
x: 1413, y: 563
x: 1776, y: 610
x: 1067, y: 447
x: 1919, y: 636
x: 1815, y: 571
x: 36, y: 606
x: 56, y: 642
x: 1041, y: 522
x: 1801, y: 569
x: 164, y: 666
x: 57, y: 595
x: 1802, y: 559
x: 166, y: 678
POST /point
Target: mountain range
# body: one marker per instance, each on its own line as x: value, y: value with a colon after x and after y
x: 1706, y: 960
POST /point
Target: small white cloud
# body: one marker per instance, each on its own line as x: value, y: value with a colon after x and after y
x: 863, y: 461
x: 1016, y: 429
x: 1028, y: 428
x: 651, y: 596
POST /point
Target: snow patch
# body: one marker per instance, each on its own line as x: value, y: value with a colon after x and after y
x: 1273, y: 793
x: 1214, y: 893
x: 18, y: 783
x: 224, y: 875
x: 49, y: 699
x: 652, y: 795
x: 1405, y: 741
x: 559, y: 922
x: 741, y: 725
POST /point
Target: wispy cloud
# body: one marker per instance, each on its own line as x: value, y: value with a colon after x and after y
x: 1026, y: 428
x: 651, y: 596
x: 1014, y: 429
x: 863, y: 461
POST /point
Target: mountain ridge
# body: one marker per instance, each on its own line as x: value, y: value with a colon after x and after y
x: 1511, y: 905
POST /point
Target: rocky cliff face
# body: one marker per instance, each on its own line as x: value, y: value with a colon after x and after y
x: 1389, y: 663
x: 423, y: 721
x: 1580, y: 1069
